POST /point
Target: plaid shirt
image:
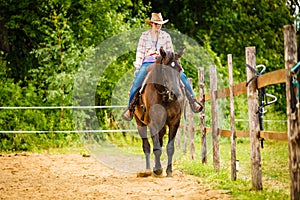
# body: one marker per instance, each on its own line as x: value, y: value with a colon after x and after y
x: 146, y: 47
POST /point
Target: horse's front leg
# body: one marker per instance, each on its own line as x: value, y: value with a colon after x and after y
x: 157, y: 150
x: 170, y: 148
x: 146, y: 145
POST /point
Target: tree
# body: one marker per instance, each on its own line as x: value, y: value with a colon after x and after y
x: 230, y: 26
x: 42, y: 46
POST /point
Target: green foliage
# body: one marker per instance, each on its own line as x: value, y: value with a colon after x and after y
x: 44, y: 44
x: 233, y: 25
x: 14, y: 120
x: 61, y: 35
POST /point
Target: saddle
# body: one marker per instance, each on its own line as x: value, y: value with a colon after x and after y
x: 168, y: 95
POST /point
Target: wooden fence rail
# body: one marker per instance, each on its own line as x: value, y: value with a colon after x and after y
x: 271, y: 78
x: 272, y: 135
x: 275, y: 77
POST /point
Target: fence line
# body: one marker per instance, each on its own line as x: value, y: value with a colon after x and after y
x: 56, y: 107
x: 72, y: 131
x: 255, y: 90
x: 265, y: 120
x: 60, y: 107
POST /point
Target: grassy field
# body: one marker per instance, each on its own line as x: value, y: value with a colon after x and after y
x: 275, y: 170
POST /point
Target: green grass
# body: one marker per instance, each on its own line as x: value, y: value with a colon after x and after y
x: 275, y: 170
x: 36, y: 142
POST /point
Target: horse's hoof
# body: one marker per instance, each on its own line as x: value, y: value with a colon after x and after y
x: 157, y: 172
x: 169, y: 173
x: 145, y: 173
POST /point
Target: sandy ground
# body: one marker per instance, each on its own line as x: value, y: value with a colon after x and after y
x: 72, y: 176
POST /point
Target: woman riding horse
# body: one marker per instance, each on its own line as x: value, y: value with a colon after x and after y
x: 159, y: 109
x: 147, y: 51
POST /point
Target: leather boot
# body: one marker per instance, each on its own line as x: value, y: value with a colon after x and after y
x: 195, y: 105
x: 128, y: 112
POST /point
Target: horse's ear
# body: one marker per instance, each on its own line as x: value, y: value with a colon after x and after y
x: 181, y: 52
x: 162, y: 52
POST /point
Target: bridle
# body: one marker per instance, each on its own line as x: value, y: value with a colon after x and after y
x: 171, y: 63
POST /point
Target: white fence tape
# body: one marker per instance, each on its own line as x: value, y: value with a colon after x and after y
x: 74, y: 131
x: 58, y: 107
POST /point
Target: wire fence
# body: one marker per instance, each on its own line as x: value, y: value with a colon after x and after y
x: 57, y: 107
x: 63, y: 107
x: 72, y: 131
x: 86, y: 131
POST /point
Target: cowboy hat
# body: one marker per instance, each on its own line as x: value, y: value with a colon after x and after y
x: 156, y: 18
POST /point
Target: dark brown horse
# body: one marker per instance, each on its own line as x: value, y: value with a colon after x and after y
x: 160, y: 106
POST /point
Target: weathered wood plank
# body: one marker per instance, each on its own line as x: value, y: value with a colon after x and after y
x: 273, y: 135
x: 240, y: 88
x: 227, y: 133
x: 207, y: 97
x: 271, y: 78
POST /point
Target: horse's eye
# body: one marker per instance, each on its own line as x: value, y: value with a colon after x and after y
x: 173, y: 64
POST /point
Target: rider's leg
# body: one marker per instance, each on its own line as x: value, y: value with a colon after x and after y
x: 137, y: 82
x: 195, y: 105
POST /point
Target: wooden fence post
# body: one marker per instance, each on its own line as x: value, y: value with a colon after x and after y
x: 185, y: 126
x: 252, y: 93
x: 290, y: 57
x: 214, y: 113
x: 191, y: 128
x: 232, y: 128
x: 202, y: 114
x: 177, y: 139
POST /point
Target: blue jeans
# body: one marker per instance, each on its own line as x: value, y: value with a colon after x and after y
x: 140, y: 76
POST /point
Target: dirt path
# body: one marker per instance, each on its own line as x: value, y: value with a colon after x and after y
x: 72, y: 176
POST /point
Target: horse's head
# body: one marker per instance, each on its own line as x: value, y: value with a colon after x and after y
x: 171, y: 59
x: 170, y: 69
